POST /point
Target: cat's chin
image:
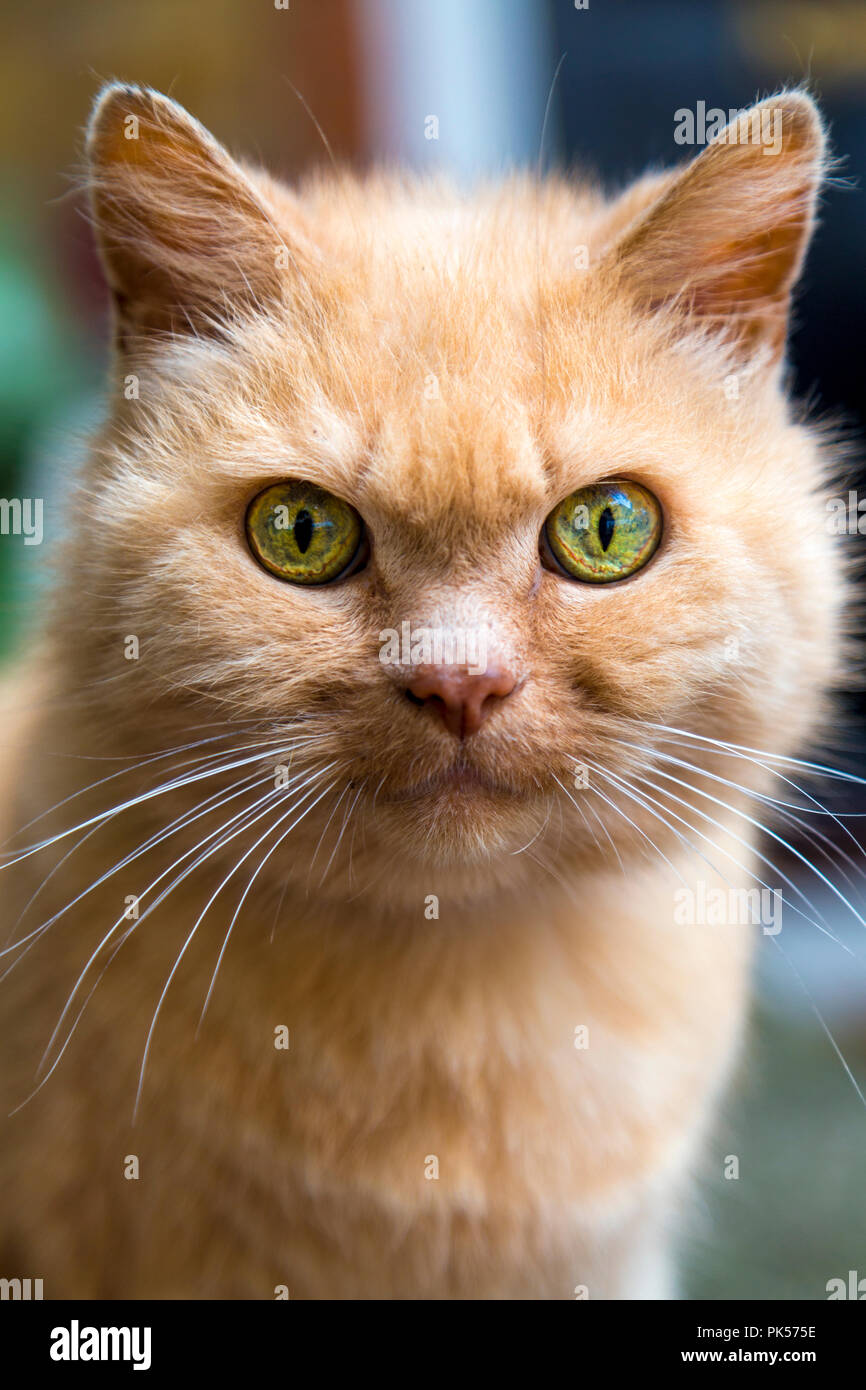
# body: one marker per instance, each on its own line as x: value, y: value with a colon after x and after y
x: 459, y: 819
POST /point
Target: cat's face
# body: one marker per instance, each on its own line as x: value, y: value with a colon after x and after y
x: 442, y: 365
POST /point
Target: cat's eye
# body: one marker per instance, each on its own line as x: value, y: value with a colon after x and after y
x: 603, y: 532
x: 305, y: 535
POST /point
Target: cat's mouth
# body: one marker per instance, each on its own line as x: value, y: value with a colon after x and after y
x: 461, y: 779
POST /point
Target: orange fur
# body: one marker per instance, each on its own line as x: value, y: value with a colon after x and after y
x: 436, y: 359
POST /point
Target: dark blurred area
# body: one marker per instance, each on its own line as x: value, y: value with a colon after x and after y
x: 291, y: 85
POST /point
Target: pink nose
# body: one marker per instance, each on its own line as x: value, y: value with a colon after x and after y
x: 461, y: 700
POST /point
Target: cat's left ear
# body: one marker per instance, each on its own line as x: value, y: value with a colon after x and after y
x: 186, y: 238
x: 725, y: 241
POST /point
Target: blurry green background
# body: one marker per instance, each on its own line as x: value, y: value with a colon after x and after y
x: 371, y: 70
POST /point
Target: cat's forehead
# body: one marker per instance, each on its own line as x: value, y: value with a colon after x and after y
x: 439, y: 343
x: 460, y: 363
x: 460, y: 455
x: 389, y: 219
x: 458, y: 275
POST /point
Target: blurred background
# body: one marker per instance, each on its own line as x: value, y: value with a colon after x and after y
x: 267, y: 78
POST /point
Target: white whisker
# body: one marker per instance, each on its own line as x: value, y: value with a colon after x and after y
x: 758, y: 825
x: 244, y: 895
x: 663, y: 791
x: 622, y: 813
x: 139, y: 800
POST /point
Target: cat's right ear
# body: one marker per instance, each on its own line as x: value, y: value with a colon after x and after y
x: 724, y: 242
x: 186, y: 241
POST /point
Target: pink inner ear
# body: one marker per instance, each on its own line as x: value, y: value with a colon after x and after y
x: 747, y: 282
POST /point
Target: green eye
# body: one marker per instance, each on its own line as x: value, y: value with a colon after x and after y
x: 604, y: 532
x: 303, y: 534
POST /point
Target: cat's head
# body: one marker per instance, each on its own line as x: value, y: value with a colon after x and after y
x: 552, y: 494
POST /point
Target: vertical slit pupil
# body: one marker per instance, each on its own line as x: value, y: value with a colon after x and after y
x: 606, y: 525
x: 303, y: 529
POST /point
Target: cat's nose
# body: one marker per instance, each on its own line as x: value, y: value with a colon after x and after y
x: 462, y: 700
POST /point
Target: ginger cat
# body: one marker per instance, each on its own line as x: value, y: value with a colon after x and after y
x: 430, y: 572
